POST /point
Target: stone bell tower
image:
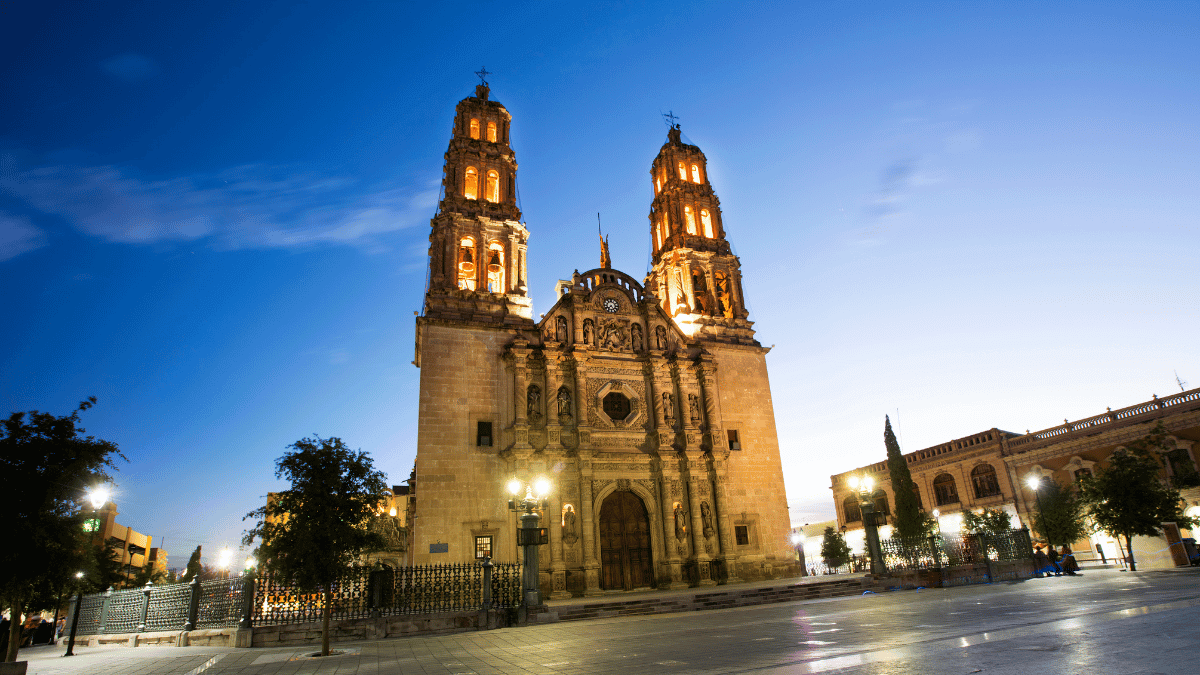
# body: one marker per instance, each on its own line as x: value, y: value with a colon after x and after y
x: 477, y: 242
x: 697, y: 279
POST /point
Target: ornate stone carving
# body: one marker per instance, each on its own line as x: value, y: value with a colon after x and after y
x: 680, y: 522
x: 533, y: 404
x: 635, y: 332
x: 588, y: 330
x: 668, y: 408
x: 571, y: 556
x: 694, y: 408
x: 707, y: 520
x: 564, y: 403
x: 570, y: 530
x: 560, y: 329
x: 613, y: 334
x: 624, y: 484
x: 660, y: 338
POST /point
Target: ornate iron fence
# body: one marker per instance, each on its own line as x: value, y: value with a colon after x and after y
x: 220, y: 603
x: 951, y: 550
x: 168, y: 608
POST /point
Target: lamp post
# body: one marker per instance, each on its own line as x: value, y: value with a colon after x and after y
x: 224, y: 559
x: 1035, y: 482
x: 529, y: 535
x: 865, y: 487
x: 75, y: 614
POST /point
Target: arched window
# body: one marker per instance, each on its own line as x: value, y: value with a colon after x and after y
x: 706, y: 221
x: 682, y: 171
x: 471, y: 184
x: 657, y: 236
x: 690, y: 216
x: 983, y: 478
x: 474, y: 128
x: 495, y: 267
x: 491, y: 132
x: 493, y: 186
x: 851, y: 509
x: 881, y: 503
x: 695, y: 174
x: 466, y: 264
x: 666, y: 227
x: 724, y: 294
x: 944, y: 490
x: 657, y: 185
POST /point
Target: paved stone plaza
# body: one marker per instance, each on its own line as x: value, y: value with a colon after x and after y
x: 1103, y: 622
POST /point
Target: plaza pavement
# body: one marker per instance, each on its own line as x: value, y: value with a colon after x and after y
x: 1105, y: 621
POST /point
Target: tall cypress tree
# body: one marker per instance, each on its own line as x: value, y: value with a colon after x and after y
x: 910, y: 520
x: 193, y: 569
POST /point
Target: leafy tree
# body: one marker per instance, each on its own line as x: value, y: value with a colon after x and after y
x: 193, y: 567
x: 102, y: 568
x: 834, y: 550
x: 1129, y: 497
x: 149, y: 574
x: 316, y: 529
x: 991, y: 522
x: 1059, y: 516
x: 46, y: 463
x: 910, y: 521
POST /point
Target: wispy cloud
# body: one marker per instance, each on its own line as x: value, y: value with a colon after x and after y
x: 246, y: 207
x: 130, y: 67
x: 18, y: 235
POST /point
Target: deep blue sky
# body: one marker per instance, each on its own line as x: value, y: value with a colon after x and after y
x: 213, y: 215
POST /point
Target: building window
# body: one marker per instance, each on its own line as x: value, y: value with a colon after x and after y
x: 1080, y: 474
x: 682, y: 172
x: 657, y: 236
x: 851, y: 510
x: 657, y: 185
x: 466, y: 264
x: 983, y: 478
x: 741, y: 533
x: 734, y: 442
x: 495, y: 267
x: 474, y: 128
x: 706, y: 222
x: 493, y: 186
x: 616, y: 406
x: 944, y: 490
x: 483, y: 434
x: 666, y: 227
x: 881, y: 503
x: 491, y: 132
x: 690, y: 216
x: 471, y: 184
x: 695, y: 174
x: 483, y: 547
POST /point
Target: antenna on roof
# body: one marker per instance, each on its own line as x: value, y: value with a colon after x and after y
x: 1182, y: 384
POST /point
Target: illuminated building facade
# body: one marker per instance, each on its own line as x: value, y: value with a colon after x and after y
x: 647, y: 406
x: 990, y: 470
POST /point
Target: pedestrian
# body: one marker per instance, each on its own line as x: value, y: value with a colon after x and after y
x: 1100, y: 552
x: 1040, y: 561
x: 1068, y: 561
x: 1053, y: 555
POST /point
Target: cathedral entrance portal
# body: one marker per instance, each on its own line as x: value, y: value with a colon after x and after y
x: 624, y: 543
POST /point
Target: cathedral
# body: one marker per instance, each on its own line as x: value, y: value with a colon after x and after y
x: 646, y: 405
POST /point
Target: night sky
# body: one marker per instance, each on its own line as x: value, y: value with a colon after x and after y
x: 214, y: 215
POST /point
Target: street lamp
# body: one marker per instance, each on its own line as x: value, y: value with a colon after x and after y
x: 75, y: 614
x: 1034, y: 482
x: 865, y: 487
x: 224, y: 559
x: 529, y: 535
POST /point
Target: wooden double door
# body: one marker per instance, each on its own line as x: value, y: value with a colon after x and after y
x: 625, y: 543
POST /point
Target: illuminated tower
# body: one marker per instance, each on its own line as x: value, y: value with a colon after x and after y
x: 697, y: 279
x: 477, y: 242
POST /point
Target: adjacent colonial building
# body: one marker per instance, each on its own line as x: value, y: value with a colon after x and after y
x: 646, y: 404
x: 989, y: 469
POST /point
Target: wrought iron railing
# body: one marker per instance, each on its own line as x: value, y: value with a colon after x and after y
x: 950, y: 550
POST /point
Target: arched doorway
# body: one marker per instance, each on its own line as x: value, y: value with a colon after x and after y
x: 624, y: 543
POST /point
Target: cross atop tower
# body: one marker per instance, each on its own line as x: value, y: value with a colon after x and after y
x: 483, y: 73
x: 671, y: 119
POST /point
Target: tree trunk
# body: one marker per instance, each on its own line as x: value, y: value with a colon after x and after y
x: 14, y: 631
x: 325, y: 622
x: 1129, y: 547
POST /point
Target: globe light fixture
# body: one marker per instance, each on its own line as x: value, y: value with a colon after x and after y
x: 98, y: 496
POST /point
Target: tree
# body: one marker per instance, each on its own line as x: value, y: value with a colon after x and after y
x: 1059, y: 516
x: 102, y: 568
x: 193, y: 567
x: 316, y: 529
x: 834, y: 550
x: 45, y: 466
x: 910, y: 521
x: 1128, y: 497
x: 149, y: 574
x: 990, y: 522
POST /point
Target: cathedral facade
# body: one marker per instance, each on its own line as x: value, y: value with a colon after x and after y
x: 646, y: 405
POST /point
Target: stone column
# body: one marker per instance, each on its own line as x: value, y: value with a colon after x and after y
x: 668, y: 495
x: 591, y: 565
x: 520, y: 356
x: 724, y: 526
x: 699, y: 551
x: 558, y: 570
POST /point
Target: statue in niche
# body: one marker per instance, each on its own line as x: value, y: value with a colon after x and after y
x: 587, y: 331
x: 706, y: 519
x: 560, y: 329
x: 724, y: 296
x: 694, y: 407
x: 564, y: 402
x: 533, y: 404
x: 570, y: 533
x: 680, y: 522
x: 660, y: 338
x: 636, y: 331
x: 668, y: 408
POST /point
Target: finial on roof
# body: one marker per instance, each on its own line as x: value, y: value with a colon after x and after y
x: 481, y: 89
x: 605, y: 258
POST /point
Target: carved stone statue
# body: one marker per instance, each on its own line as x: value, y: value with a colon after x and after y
x: 564, y: 402
x: 724, y: 297
x: 694, y: 407
x: 660, y: 338
x: 668, y: 408
x: 636, y: 331
x: 706, y: 519
x: 560, y: 331
x: 533, y: 404
x: 570, y: 533
x: 587, y: 331
x: 680, y: 522
x: 612, y: 335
